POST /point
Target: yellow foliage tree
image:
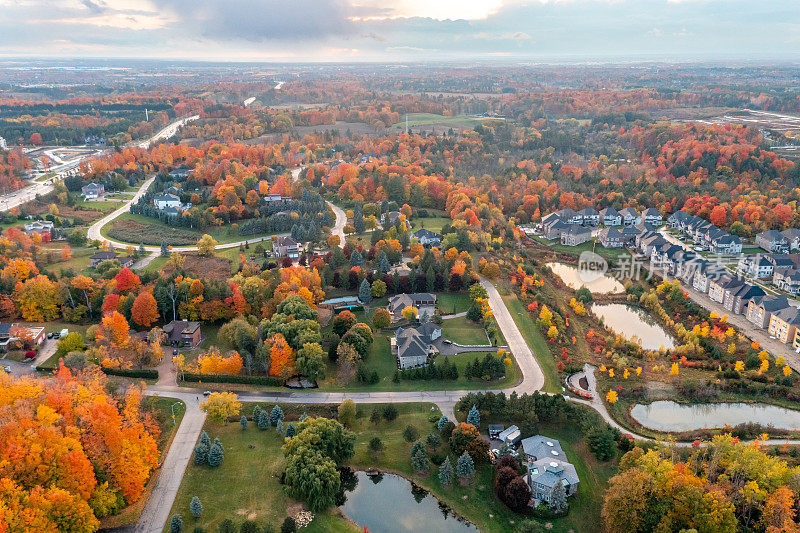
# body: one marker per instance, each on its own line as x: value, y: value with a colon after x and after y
x: 220, y: 406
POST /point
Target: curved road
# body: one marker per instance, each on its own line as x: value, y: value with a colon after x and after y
x: 95, y: 233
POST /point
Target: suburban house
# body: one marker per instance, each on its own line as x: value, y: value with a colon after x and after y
x: 783, y: 323
x: 676, y: 219
x: 787, y: 279
x: 589, y: 216
x: 610, y: 217
x: 736, y: 300
x: 569, y: 216
x: 576, y: 235
x: 162, y: 201
x: 92, y: 191
x: 553, y: 227
x: 427, y: 237
x: 648, y: 242
x: 344, y: 302
x: 544, y: 475
x: 413, y: 345
x: 610, y: 237
x: 726, y: 244
x: 755, y: 266
x: 540, y: 447
x: 180, y: 173
x: 652, y: 216
x: 286, y: 247
x: 630, y: 216
x: 718, y: 287
x: 760, y: 309
x: 38, y: 226
x: 183, y: 333
x: 495, y: 430
x: 14, y: 336
x: 796, y: 341
x: 99, y: 257
x: 275, y: 199
x: 425, y: 303
x: 793, y: 236
x: 772, y: 241
x: 390, y: 218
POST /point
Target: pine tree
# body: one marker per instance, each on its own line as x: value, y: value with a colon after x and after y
x: 365, y: 292
x: 275, y: 415
x: 474, y: 417
x: 201, y: 454
x: 465, y: 467
x: 215, y: 454
x: 442, y: 422
x: 196, y: 507
x: 356, y: 259
x: 291, y: 431
x: 279, y: 427
x: 383, y: 265
x: 417, y: 447
x: 205, y: 439
x: 302, y: 417
x: 263, y: 420
x: 446, y: 472
x: 420, y: 461
x: 558, y: 498
x: 243, y: 421
x: 164, y: 249
x: 176, y: 524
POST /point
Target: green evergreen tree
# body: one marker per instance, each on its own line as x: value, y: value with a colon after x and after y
x: 420, y: 461
x: 474, y: 417
x: 365, y: 292
x: 215, y: 454
x: 205, y: 439
x: 356, y: 259
x: 442, y: 422
x: 201, y: 454
x: 382, y: 264
x: 275, y: 415
x: 196, y: 507
x: 465, y: 467
x: 243, y: 421
x: 279, y: 427
x: 558, y: 498
x: 263, y: 420
x: 164, y: 249
x: 291, y: 431
x: 446, y: 472
x: 176, y: 524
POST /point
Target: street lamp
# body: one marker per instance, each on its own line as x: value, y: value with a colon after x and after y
x: 172, y: 408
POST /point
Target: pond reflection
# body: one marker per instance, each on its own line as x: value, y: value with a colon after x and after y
x: 671, y: 416
x: 575, y: 279
x: 392, y: 504
x: 635, y: 325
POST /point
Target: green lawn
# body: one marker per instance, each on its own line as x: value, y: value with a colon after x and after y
x: 426, y: 119
x: 608, y: 253
x: 452, y: 302
x: 462, y: 331
x: 155, y: 231
x: 79, y: 261
x: 433, y: 223
x: 536, y: 341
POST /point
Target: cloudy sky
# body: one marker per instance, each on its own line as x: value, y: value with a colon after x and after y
x: 402, y: 30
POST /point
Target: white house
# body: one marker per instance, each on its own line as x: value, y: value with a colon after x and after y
x: 162, y: 201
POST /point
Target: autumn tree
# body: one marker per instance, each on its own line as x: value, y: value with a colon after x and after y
x: 38, y: 299
x: 220, y: 406
x: 206, y: 245
x: 115, y: 329
x: 145, y: 309
x: 127, y: 280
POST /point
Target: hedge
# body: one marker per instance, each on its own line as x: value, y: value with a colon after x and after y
x: 144, y: 373
x: 227, y: 378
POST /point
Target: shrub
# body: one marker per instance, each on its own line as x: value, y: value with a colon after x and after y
x: 226, y: 378
x: 517, y: 494
x: 248, y: 526
x: 289, y: 525
x: 176, y: 524
x: 410, y: 434
x: 215, y: 454
x: 196, y: 507
x: 226, y: 526
x: 390, y: 412
x: 201, y: 454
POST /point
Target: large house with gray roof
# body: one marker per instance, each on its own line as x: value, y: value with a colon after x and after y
x: 547, y: 466
x: 413, y: 345
x: 425, y: 303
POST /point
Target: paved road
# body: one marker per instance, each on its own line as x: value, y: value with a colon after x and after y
x: 338, y: 225
x: 167, y: 131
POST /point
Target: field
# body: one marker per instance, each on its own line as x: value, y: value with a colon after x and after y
x: 246, y: 485
x: 611, y: 254
x: 429, y: 121
x: 433, y: 223
x: 449, y: 302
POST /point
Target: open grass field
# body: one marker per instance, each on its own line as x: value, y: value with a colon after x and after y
x: 608, y: 253
x: 137, y: 229
x: 462, y: 331
x: 434, y: 223
x: 449, y: 302
x: 246, y: 485
x: 430, y: 119
x: 536, y: 341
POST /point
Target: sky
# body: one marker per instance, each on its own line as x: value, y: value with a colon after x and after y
x: 402, y: 30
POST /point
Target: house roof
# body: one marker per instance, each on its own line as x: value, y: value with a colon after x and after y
x: 542, y: 447
x: 651, y: 212
x: 575, y: 229
x: 510, y: 433
x: 747, y: 292
x: 629, y: 211
x: 166, y: 198
x: 105, y: 256
x: 791, y: 233
x: 772, y: 235
x: 788, y: 314
x: 92, y: 186
x: 588, y: 212
x: 412, y: 343
x: 609, y: 212
x: 427, y: 234
x: 286, y: 241
x: 773, y: 302
x: 609, y: 234
x: 548, y: 472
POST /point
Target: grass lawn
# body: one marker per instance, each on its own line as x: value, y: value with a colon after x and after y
x: 452, y: 302
x: 161, y: 408
x: 536, y: 341
x: 100, y: 205
x: 79, y: 261
x: 462, y: 331
x: 611, y: 254
x: 132, y: 228
x: 433, y: 223
x: 246, y: 485
x: 426, y: 119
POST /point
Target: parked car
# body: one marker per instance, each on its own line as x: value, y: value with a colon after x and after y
x: 174, y: 351
x: 207, y: 393
x: 56, y: 336
x: 7, y: 369
x: 50, y: 335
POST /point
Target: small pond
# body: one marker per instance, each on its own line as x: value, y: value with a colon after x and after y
x: 666, y: 415
x: 388, y: 503
x: 635, y: 325
x: 594, y: 281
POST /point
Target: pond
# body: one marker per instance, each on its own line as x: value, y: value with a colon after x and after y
x: 388, y: 503
x: 666, y: 415
x: 635, y: 325
x: 596, y: 282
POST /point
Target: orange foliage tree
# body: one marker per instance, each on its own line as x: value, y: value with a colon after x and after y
x: 282, y: 356
x: 114, y: 329
x: 145, y: 309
